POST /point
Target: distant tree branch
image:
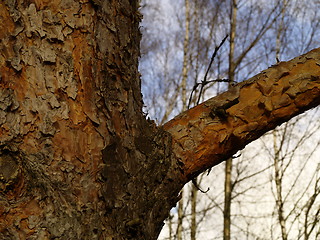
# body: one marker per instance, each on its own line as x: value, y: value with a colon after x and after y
x: 204, y: 81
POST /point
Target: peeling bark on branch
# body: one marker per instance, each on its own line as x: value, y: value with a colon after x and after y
x: 211, y: 132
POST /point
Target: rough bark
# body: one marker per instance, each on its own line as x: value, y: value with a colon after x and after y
x: 211, y: 132
x: 78, y: 159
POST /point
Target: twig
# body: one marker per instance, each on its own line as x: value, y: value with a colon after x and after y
x: 204, y: 81
x: 194, y: 181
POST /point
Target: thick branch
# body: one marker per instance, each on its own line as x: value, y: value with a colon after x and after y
x: 211, y: 132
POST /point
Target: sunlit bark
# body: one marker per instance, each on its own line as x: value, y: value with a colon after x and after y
x: 216, y: 129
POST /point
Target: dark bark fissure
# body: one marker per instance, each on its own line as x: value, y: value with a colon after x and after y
x: 139, y: 189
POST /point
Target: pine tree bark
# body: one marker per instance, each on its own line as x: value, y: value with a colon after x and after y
x: 75, y: 146
x: 78, y: 159
x: 211, y: 132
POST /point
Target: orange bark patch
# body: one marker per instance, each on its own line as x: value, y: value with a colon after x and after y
x: 304, y: 99
x: 250, y: 94
x: 76, y: 113
x: 193, y: 113
x: 50, y: 4
x: 15, y: 81
x: 301, y: 70
x: 33, y: 208
x: 70, y: 142
x: 18, y: 216
x: 264, y: 86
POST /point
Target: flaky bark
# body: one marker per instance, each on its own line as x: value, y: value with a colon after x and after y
x: 75, y: 148
x: 78, y: 159
x: 211, y: 132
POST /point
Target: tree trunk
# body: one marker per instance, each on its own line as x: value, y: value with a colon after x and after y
x: 180, y: 217
x: 78, y: 159
x: 229, y: 162
x: 227, y: 200
x: 76, y: 149
x: 194, y: 224
x: 278, y: 182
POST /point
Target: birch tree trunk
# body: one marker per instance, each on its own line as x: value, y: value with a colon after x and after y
x: 228, y: 167
x: 78, y: 159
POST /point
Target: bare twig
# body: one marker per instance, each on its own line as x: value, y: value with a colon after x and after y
x: 204, y: 81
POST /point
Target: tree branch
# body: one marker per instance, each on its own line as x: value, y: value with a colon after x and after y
x: 213, y: 131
